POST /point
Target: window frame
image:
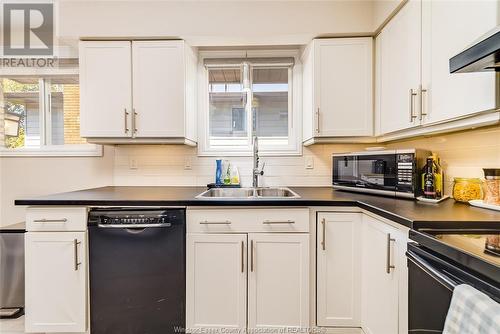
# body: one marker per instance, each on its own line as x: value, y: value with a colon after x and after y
x: 44, y: 150
x: 243, y: 147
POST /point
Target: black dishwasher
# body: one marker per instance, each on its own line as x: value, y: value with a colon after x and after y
x: 137, y: 270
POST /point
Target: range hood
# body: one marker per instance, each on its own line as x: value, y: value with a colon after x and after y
x: 484, y: 55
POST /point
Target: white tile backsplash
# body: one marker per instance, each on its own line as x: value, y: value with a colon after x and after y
x: 164, y: 165
x: 463, y: 154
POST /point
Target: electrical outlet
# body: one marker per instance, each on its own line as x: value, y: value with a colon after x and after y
x: 309, y: 163
x: 187, y: 164
x: 133, y: 163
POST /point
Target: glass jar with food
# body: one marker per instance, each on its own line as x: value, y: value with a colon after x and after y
x: 466, y: 189
x: 491, y: 186
x: 492, y: 245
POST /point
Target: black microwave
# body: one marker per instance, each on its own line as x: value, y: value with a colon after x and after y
x: 389, y: 172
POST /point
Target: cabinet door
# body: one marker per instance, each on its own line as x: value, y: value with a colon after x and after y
x: 448, y: 28
x: 398, y: 70
x: 339, y: 269
x: 278, y: 281
x: 380, y: 284
x: 105, y: 89
x: 343, y: 87
x: 56, y: 265
x: 216, y: 281
x: 158, y: 88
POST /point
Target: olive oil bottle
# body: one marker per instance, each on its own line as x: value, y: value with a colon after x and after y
x: 437, y: 182
x: 429, y: 180
x: 438, y: 176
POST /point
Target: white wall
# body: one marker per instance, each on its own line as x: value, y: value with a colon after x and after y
x: 382, y: 9
x: 24, y: 177
x: 215, y: 22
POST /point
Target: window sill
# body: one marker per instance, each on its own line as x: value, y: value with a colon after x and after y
x: 249, y: 153
x: 76, y: 150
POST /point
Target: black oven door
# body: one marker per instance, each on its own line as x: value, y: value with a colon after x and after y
x: 431, y: 280
x: 372, y: 171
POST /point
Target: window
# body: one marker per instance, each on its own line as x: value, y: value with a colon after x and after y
x: 41, y: 116
x: 248, y: 97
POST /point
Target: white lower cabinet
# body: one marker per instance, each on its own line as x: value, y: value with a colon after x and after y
x: 361, y: 273
x: 56, y: 285
x: 216, y: 281
x: 278, y: 281
x: 247, y: 277
x: 384, y: 278
x: 272, y: 269
x: 338, y: 269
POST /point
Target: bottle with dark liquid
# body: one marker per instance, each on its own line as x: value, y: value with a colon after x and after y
x: 429, y: 180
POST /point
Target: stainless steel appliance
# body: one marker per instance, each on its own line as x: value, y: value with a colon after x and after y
x: 438, y: 261
x: 137, y: 270
x: 11, y: 272
x: 388, y: 172
x: 483, y: 55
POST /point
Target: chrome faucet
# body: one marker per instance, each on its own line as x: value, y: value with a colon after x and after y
x: 256, y: 172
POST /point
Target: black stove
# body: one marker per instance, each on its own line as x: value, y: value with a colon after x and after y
x: 441, y: 259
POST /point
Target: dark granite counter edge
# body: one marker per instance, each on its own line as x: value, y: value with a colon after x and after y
x: 13, y: 228
x: 414, y: 224
x: 295, y: 202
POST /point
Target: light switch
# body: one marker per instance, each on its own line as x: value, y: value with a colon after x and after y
x: 309, y: 163
x: 187, y: 164
x: 133, y: 163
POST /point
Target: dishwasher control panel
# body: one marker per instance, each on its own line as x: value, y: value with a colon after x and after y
x: 133, y: 216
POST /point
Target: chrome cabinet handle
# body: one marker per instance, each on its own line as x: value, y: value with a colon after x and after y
x: 422, y: 105
x: 134, y: 120
x: 44, y: 220
x: 412, y: 106
x: 317, y: 121
x: 389, y: 266
x: 75, y: 244
x: 251, y: 255
x: 278, y: 222
x: 242, y: 256
x: 206, y: 222
x: 323, y: 241
x: 126, y: 120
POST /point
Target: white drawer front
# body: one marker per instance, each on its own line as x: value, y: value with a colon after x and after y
x: 247, y: 220
x: 56, y: 219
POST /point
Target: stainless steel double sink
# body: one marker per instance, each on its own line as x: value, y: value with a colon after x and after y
x: 248, y: 193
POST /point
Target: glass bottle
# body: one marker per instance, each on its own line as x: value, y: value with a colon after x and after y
x: 429, y: 180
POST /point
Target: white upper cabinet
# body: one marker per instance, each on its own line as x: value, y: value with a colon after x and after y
x: 398, y: 70
x: 56, y: 282
x: 138, y: 91
x: 337, y: 88
x: 105, y: 86
x: 339, y: 269
x: 158, y: 88
x: 415, y: 91
x: 448, y: 28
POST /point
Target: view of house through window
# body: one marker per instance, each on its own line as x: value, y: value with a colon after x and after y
x: 231, y: 87
x: 39, y: 111
x: 227, y: 103
x: 270, y: 101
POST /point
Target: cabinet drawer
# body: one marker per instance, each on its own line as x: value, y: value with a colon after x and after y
x: 247, y: 220
x: 56, y: 219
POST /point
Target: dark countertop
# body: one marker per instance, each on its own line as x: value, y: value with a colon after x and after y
x: 13, y: 228
x: 411, y: 213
